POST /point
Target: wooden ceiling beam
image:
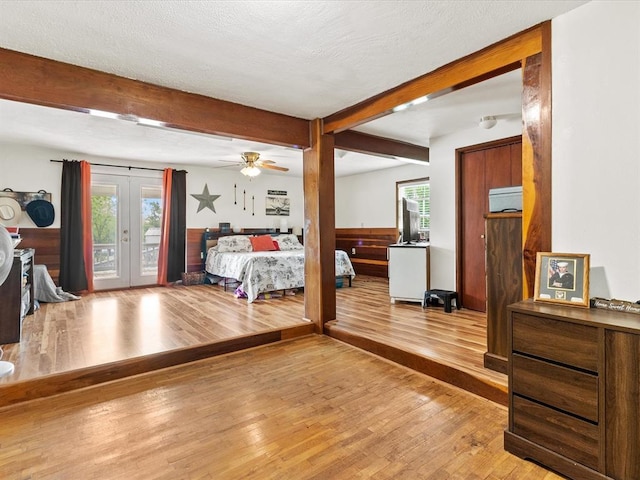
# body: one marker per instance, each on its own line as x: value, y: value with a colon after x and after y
x: 36, y: 80
x: 370, y: 144
x: 491, y: 61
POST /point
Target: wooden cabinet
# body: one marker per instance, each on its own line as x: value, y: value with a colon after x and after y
x: 16, y: 296
x: 408, y: 272
x: 574, y: 390
x: 503, y: 235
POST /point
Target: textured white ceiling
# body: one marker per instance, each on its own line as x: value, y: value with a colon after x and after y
x: 302, y: 58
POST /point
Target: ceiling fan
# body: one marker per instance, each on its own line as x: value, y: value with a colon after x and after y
x: 252, y: 164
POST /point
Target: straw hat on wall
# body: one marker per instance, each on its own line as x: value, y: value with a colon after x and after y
x: 10, y: 212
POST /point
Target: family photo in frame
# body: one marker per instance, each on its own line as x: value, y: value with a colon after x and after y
x: 562, y: 278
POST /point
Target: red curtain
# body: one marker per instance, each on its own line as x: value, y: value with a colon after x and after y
x: 87, y: 234
x: 163, y: 251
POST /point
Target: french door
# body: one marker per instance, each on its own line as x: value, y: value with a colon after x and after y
x: 126, y: 215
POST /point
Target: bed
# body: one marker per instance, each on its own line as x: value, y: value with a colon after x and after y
x: 264, y: 263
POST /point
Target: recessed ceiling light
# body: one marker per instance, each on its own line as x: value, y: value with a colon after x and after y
x: 103, y: 114
x: 150, y: 122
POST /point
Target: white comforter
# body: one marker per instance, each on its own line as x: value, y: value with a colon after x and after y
x: 260, y: 272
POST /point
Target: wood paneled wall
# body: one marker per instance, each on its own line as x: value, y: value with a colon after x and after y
x: 194, y: 259
x: 370, y: 244
x: 367, y: 248
x: 46, y: 242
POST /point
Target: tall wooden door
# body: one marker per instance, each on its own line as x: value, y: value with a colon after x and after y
x: 480, y: 168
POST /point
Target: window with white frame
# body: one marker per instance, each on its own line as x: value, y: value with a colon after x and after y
x: 420, y: 191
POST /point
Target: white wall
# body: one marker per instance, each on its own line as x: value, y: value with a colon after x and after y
x: 28, y: 168
x: 443, y: 196
x: 222, y: 183
x: 596, y: 156
x: 596, y: 142
x: 368, y: 200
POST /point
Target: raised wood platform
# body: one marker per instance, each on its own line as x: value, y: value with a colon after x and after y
x: 110, y: 335
x: 446, y: 346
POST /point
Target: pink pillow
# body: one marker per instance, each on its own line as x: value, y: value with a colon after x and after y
x: 262, y: 243
x: 276, y: 246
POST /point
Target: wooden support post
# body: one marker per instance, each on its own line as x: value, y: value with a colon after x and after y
x: 536, y: 159
x: 319, y: 228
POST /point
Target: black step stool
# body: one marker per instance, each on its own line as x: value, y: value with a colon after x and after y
x: 445, y: 296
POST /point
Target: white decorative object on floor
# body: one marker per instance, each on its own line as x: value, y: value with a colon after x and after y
x: 6, y: 368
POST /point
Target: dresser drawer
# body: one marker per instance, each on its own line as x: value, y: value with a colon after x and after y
x: 575, y: 439
x: 563, y: 342
x: 564, y: 388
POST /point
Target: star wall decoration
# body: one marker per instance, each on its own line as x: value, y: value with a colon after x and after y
x: 206, y: 200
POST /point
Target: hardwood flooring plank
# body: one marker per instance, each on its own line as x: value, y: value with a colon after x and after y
x: 309, y: 408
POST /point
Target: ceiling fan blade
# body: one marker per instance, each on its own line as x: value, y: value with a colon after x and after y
x: 228, y: 166
x: 274, y: 167
x: 262, y: 162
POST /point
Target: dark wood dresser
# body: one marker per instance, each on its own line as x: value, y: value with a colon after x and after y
x: 16, y: 296
x: 574, y: 390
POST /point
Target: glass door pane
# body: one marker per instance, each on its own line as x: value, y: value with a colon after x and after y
x: 109, y: 199
x: 147, y: 221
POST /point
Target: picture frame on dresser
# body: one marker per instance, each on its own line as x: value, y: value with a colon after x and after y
x: 562, y: 278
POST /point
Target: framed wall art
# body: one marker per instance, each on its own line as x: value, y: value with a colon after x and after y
x: 279, y: 206
x: 562, y: 278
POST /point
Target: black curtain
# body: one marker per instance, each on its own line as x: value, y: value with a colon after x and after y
x: 177, y: 226
x: 72, y: 277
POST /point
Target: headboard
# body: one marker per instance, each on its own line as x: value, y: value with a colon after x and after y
x: 210, y: 237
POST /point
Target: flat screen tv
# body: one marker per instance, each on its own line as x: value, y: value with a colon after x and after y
x: 410, y: 221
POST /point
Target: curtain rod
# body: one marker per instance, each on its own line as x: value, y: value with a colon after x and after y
x: 118, y: 166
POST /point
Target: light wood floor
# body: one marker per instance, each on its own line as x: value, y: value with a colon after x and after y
x: 307, y: 408
x: 113, y: 326
x: 457, y: 339
x: 128, y: 332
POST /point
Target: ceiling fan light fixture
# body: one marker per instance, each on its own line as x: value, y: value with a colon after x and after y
x: 250, y: 171
x: 488, y: 122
